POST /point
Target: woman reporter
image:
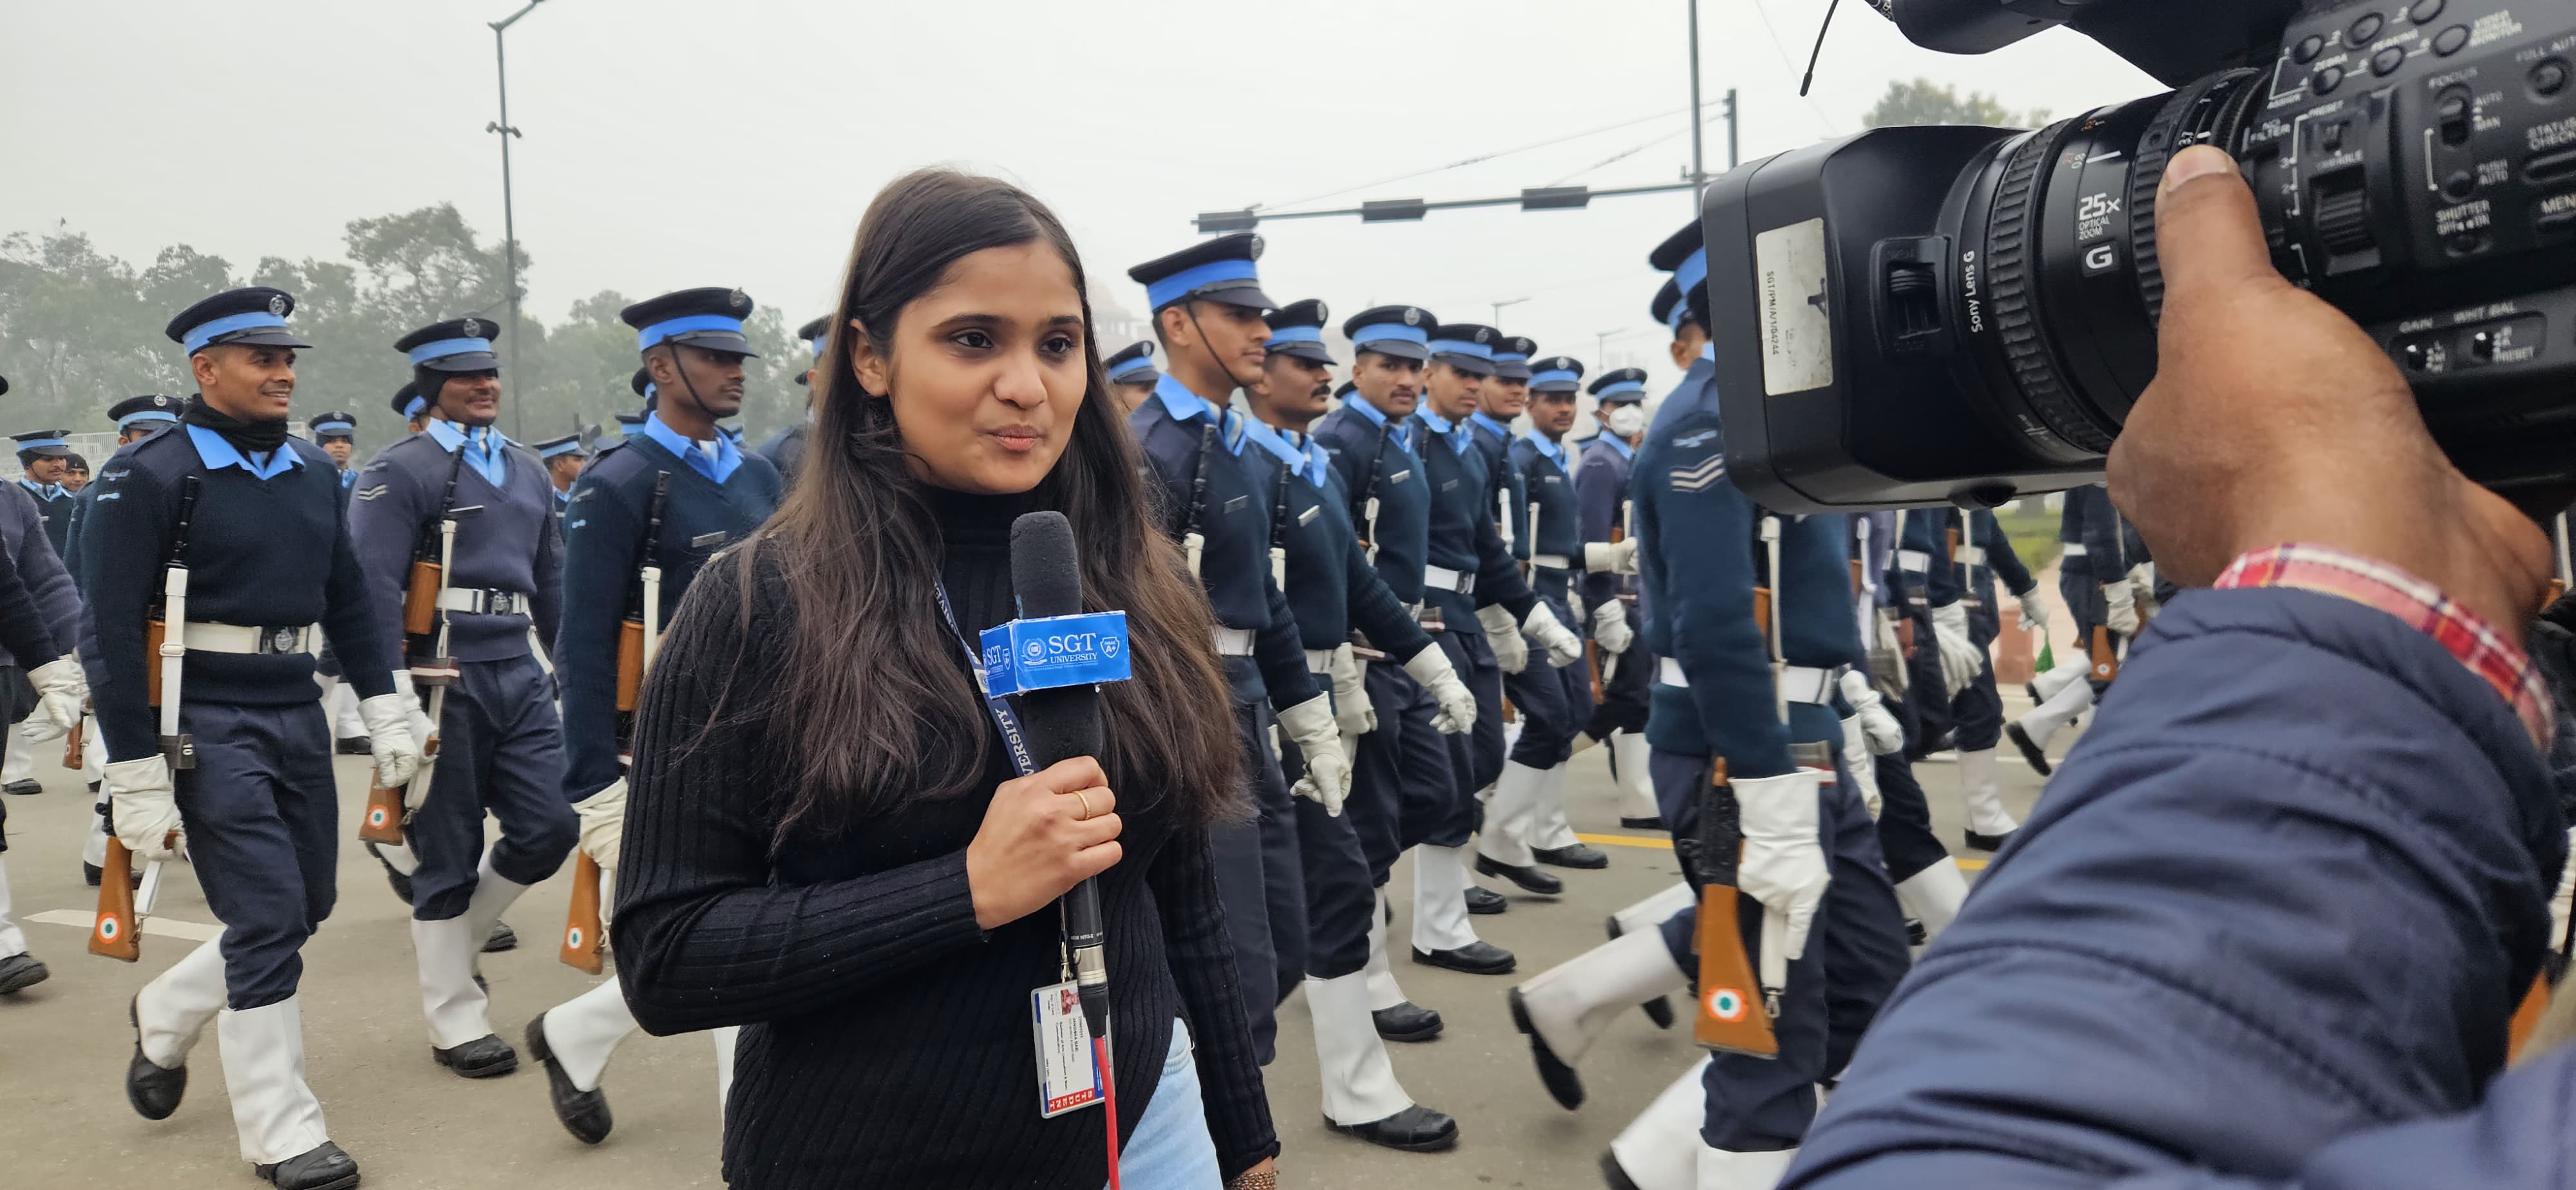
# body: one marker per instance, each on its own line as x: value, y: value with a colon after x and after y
x: 826, y: 842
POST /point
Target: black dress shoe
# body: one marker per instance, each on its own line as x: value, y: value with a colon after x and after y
x: 22, y: 788
x: 1980, y: 842
x: 2032, y: 689
x: 1578, y: 855
x: 1416, y: 1129
x: 2029, y: 751
x: 153, y: 1090
x: 1613, y: 1176
x: 501, y: 938
x: 484, y: 1057
x: 401, y: 883
x: 583, y: 1113
x: 356, y: 745
x: 1660, y: 1011
x: 21, y: 970
x: 1475, y: 958
x: 1407, y: 1022
x: 1485, y: 902
x: 1641, y: 824
x: 322, y: 1167
x: 1562, y: 1083
x: 1915, y: 934
x: 1530, y: 879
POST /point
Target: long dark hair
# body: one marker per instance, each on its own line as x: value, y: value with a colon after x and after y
x: 871, y: 699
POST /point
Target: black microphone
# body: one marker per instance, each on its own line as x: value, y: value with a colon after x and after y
x: 1060, y: 724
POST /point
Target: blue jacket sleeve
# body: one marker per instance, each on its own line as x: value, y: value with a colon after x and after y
x: 1923, y: 555
x: 2000, y: 556
x: 2245, y: 930
x: 1280, y: 651
x: 602, y: 536
x: 1376, y: 612
x: 1699, y: 530
x: 548, y: 575
x: 1598, y: 495
x: 2104, y: 535
x: 41, y: 571
x: 1498, y: 573
x: 385, y: 523
x: 129, y: 533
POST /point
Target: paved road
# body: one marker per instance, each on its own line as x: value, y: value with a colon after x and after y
x: 64, y: 1043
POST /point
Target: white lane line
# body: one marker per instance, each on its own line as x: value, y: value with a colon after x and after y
x: 159, y: 927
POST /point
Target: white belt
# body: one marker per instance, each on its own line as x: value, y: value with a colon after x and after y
x: 2074, y: 549
x: 1319, y: 661
x: 1234, y: 642
x: 205, y: 637
x: 1552, y: 561
x: 1798, y: 683
x: 1914, y: 560
x: 1441, y: 578
x: 1971, y: 555
x: 485, y: 602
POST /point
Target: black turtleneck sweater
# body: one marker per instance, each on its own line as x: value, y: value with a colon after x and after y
x: 887, y: 1039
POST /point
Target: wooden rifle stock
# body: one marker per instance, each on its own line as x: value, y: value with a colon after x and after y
x: 1731, y: 1015
x: 630, y: 663
x: 382, y: 822
x: 154, y: 632
x: 72, y: 740
x: 1762, y: 611
x: 582, y: 926
x: 2106, y: 664
x: 420, y: 600
x: 116, y: 934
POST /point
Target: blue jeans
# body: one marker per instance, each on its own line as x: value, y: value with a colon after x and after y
x: 1171, y: 1149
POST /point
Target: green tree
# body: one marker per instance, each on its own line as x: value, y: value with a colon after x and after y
x: 1922, y: 101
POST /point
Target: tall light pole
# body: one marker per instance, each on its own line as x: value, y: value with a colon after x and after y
x: 1699, y: 170
x: 509, y: 219
x: 1500, y: 306
x: 1601, y: 347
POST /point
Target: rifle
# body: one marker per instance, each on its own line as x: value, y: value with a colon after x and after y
x: 72, y: 742
x: 118, y: 931
x: 389, y: 808
x: 582, y: 926
x: 1279, y: 528
x: 1730, y: 1017
x: 2106, y: 663
x: 1193, y: 542
x: 639, y: 637
x: 1365, y: 515
x: 428, y: 565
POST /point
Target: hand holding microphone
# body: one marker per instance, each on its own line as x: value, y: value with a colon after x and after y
x: 1042, y: 835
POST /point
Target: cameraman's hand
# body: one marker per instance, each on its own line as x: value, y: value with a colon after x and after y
x: 2275, y: 419
x: 1037, y: 842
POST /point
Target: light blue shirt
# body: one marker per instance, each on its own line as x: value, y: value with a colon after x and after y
x: 1502, y: 430
x: 1403, y: 432
x: 1183, y: 405
x: 485, y: 449
x: 218, y: 454
x: 43, y: 491
x: 1547, y: 449
x: 716, y: 460
x: 1306, y: 461
x: 1455, y: 433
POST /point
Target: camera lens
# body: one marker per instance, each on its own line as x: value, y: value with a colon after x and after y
x: 2060, y: 226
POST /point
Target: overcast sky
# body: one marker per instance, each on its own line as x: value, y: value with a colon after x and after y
x: 673, y: 144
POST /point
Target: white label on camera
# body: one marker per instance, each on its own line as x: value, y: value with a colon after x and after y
x: 1797, y: 325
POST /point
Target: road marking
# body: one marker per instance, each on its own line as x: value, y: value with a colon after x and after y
x: 159, y: 927
x: 1966, y: 864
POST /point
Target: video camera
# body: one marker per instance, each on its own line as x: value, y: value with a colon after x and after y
x: 1928, y: 315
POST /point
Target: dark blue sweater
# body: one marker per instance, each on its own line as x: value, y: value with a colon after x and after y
x: 511, y: 545
x: 269, y: 552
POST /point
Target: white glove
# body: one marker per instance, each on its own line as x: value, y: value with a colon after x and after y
x: 2142, y: 584
x: 1563, y: 647
x: 422, y: 730
x: 388, y: 718
x: 142, y: 805
x: 1614, y: 557
x: 1574, y: 605
x: 1319, y: 739
x: 603, y: 823
x: 1350, y: 695
x: 1856, y: 757
x: 1457, y: 714
x: 2034, y: 614
x: 1961, y: 659
x: 1784, y: 863
x: 1610, y: 627
x: 1510, y: 651
x: 1885, y: 735
x: 60, y: 691
x: 2123, y: 617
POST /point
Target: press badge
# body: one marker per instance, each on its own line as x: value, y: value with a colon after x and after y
x: 1067, y: 1079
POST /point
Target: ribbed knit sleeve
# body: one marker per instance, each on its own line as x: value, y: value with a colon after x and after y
x: 703, y: 937
x: 1201, y: 954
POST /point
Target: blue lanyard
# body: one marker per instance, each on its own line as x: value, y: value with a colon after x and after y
x: 1003, y: 716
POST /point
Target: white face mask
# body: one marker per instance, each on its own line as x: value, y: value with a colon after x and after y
x: 1626, y: 420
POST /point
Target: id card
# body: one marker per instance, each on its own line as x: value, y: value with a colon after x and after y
x: 1067, y: 1079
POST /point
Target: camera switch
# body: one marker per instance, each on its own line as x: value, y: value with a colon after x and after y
x: 2549, y: 78
x: 2386, y: 62
x: 2306, y: 51
x: 2366, y: 29
x: 2326, y: 80
x: 2426, y: 12
x: 2450, y: 41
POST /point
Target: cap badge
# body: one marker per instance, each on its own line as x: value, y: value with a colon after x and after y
x: 1484, y: 336
x: 1412, y: 317
x: 277, y: 304
x: 1322, y: 312
x: 739, y: 299
x: 1257, y: 245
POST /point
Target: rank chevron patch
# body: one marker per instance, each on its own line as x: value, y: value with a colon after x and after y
x: 1698, y: 476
